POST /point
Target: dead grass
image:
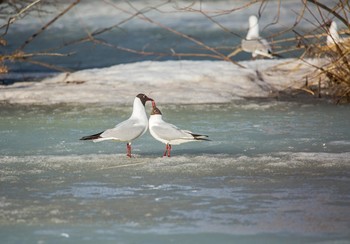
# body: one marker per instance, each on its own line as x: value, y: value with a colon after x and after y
x: 337, y: 70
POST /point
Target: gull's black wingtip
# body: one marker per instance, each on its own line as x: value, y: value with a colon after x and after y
x: 201, y: 137
x: 91, y: 137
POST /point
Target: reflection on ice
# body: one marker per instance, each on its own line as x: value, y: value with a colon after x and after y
x: 94, y: 191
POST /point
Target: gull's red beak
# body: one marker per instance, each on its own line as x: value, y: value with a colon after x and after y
x: 153, y: 104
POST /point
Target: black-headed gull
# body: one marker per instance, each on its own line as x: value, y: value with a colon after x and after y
x: 128, y: 130
x: 169, y: 134
x: 254, y: 43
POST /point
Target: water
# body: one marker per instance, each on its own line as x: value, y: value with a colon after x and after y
x: 275, y: 171
x: 219, y: 30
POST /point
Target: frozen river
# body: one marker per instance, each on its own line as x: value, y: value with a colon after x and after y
x: 274, y: 172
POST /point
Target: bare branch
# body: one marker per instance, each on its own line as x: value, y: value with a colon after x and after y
x: 321, y: 5
x: 13, y: 18
x: 49, y: 66
x: 30, y: 39
x: 216, y: 13
x: 172, y: 52
x: 199, y: 43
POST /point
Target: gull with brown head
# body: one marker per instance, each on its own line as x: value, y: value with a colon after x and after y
x: 168, y: 133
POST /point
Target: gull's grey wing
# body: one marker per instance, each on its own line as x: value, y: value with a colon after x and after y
x: 265, y: 44
x: 125, y: 131
x: 261, y: 46
x: 170, y: 132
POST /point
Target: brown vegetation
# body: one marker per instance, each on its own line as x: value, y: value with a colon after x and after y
x: 335, y: 74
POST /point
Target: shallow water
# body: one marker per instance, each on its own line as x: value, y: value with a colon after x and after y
x: 275, y: 171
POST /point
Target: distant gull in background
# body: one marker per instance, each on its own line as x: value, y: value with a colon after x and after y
x: 128, y: 130
x: 169, y: 134
x: 333, y: 36
x: 254, y: 43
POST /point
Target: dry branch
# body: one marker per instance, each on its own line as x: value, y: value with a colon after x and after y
x: 140, y: 14
x: 31, y: 38
x: 21, y: 56
x: 13, y: 18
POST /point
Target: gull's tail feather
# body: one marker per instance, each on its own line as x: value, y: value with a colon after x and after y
x: 92, y: 137
x: 200, y: 137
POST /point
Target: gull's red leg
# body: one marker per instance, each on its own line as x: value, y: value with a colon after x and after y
x: 169, y: 149
x: 128, y: 150
x: 166, y: 150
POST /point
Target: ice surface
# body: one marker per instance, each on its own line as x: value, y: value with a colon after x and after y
x: 255, y: 178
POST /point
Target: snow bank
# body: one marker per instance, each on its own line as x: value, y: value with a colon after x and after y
x: 171, y: 82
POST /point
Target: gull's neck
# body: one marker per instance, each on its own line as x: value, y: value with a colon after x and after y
x: 333, y: 36
x: 253, y: 32
x: 138, y: 110
x: 155, y: 119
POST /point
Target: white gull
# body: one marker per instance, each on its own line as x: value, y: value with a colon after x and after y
x: 168, y: 133
x: 128, y: 130
x: 333, y: 36
x: 254, y: 43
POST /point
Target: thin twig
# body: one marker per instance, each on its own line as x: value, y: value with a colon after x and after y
x: 49, y: 66
x: 13, y: 18
x: 199, y: 43
x: 32, y: 37
x: 321, y: 5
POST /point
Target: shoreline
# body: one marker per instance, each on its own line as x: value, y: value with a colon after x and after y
x: 168, y: 82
